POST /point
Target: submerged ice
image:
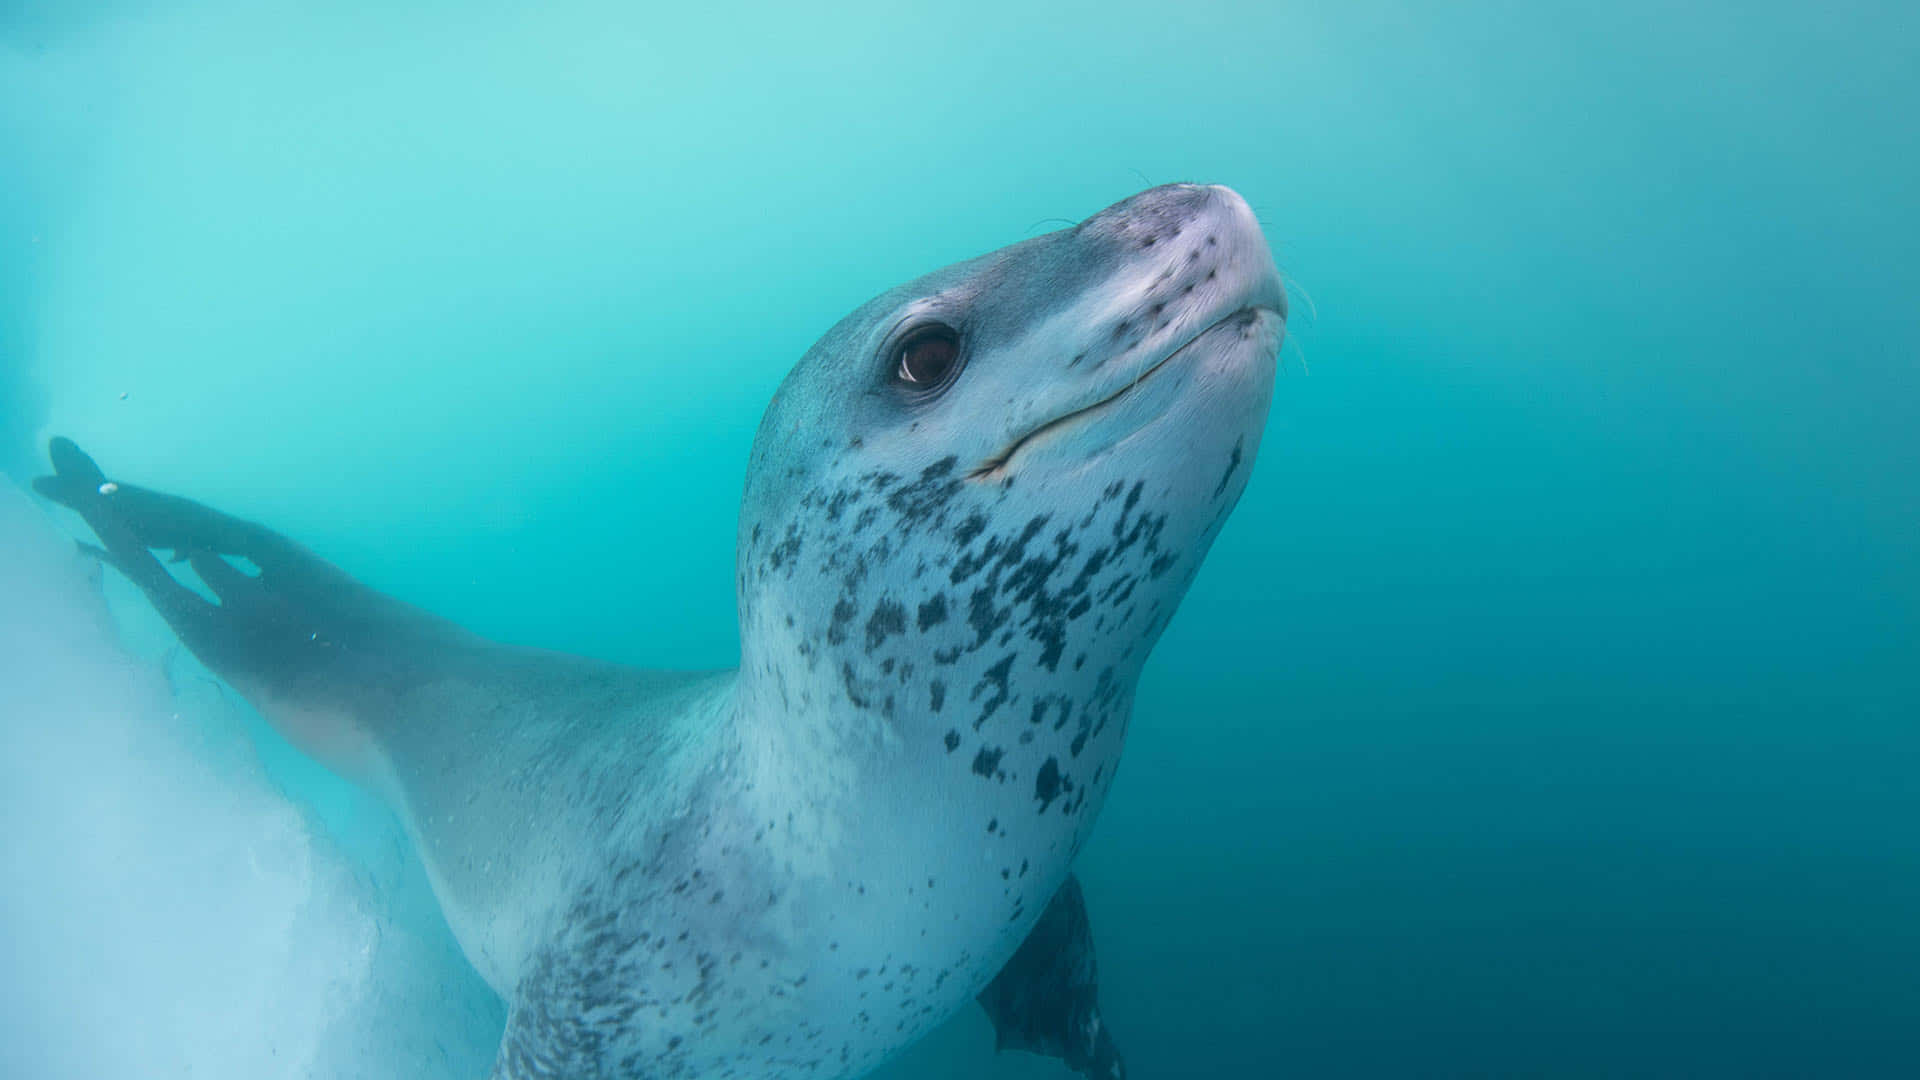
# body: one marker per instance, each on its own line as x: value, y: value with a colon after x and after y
x: 168, y: 909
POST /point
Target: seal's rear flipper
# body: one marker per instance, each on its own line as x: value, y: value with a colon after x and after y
x: 1045, y: 999
x: 301, y: 638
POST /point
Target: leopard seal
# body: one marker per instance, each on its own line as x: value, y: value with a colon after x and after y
x: 970, y: 510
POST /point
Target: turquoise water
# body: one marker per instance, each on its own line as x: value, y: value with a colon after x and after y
x: 1548, y: 707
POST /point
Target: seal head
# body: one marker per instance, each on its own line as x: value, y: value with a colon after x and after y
x: 1021, y: 456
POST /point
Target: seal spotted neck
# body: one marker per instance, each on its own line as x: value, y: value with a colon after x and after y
x: 975, y: 504
x: 970, y: 511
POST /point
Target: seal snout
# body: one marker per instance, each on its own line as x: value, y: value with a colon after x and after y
x: 1204, y: 248
x: 1185, y: 258
x: 1184, y: 279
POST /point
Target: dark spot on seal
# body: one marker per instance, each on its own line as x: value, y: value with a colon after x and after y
x: 987, y: 762
x: 843, y: 613
x: 973, y: 562
x: 1048, y: 784
x: 786, y: 550
x: 922, y: 499
x: 888, y: 618
x: 933, y: 612
x: 970, y: 528
x: 936, y: 694
x: 995, y: 679
x: 984, y: 616
x: 852, y: 683
x: 952, y: 740
x: 1233, y: 465
x: 841, y: 499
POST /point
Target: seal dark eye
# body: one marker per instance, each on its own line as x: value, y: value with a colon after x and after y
x: 928, y: 357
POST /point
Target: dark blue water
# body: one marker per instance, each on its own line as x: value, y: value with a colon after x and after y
x: 1550, y: 707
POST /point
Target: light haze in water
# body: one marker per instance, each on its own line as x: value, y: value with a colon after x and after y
x: 1547, y: 707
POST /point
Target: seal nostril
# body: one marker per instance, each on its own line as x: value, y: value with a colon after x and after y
x: 1148, y: 242
x: 1212, y: 240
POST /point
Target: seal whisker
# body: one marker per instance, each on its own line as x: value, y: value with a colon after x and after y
x: 1300, y: 351
x: 1292, y: 285
x: 1050, y: 220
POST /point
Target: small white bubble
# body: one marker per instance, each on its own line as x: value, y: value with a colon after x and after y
x: 109, y: 488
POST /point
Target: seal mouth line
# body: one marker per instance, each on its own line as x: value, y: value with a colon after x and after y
x: 998, y: 461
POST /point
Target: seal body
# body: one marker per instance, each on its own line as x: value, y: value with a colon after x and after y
x: 970, y: 511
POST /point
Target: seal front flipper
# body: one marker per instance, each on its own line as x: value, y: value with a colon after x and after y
x: 302, y: 640
x: 1045, y: 1000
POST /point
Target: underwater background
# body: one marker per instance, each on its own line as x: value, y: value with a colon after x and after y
x: 1550, y: 707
